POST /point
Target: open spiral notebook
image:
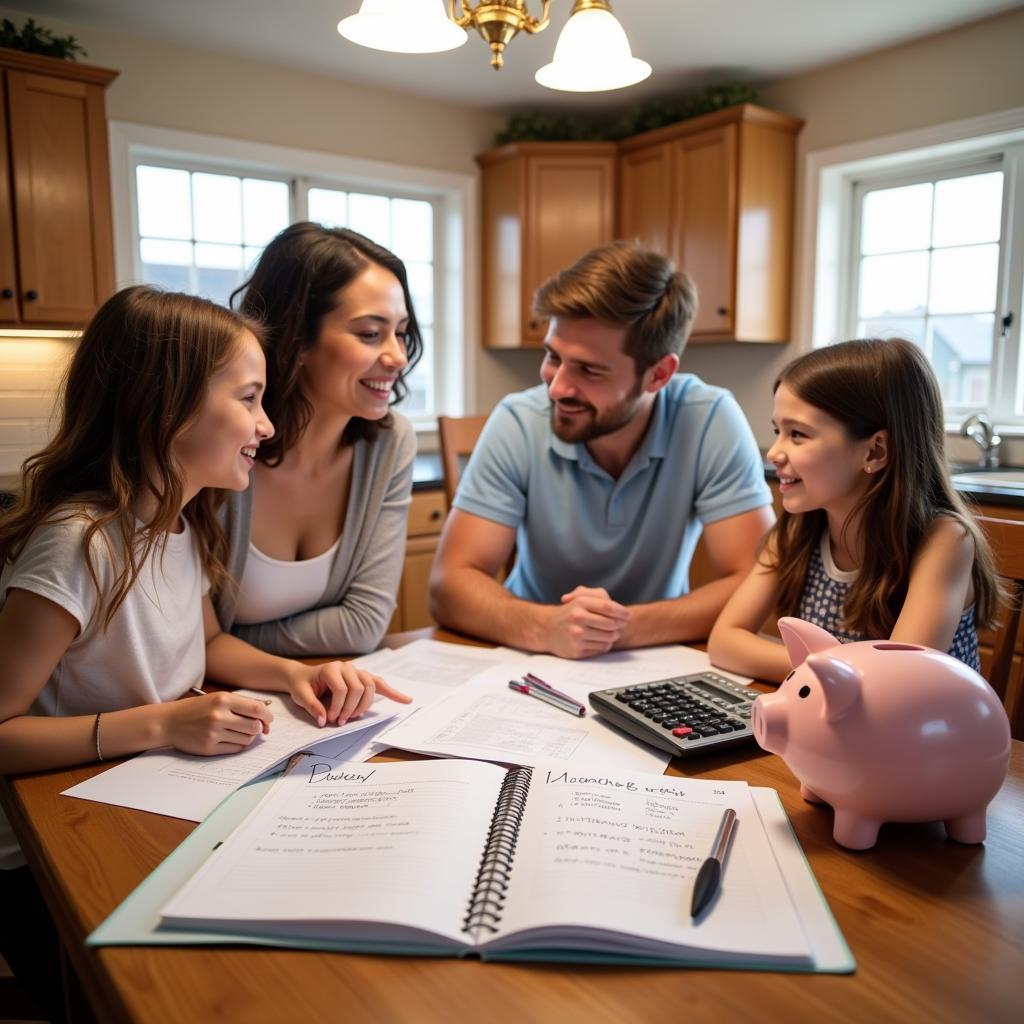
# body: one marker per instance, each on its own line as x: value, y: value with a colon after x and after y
x: 454, y: 857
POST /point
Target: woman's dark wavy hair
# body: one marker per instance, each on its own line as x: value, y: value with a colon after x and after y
x: 293, y: 287
x: 138, y: 378
x: 871, y: 385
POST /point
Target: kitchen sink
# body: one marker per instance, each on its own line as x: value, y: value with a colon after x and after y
x: 994, y: 477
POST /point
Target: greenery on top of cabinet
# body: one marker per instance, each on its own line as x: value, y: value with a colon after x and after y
x: 544, y: 127
x: 33, y: 38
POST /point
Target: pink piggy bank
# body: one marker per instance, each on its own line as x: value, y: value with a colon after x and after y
x: 885, y: 731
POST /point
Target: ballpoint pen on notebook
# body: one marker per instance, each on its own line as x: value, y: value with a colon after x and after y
x: 709, y: 878
x: 549, y: 696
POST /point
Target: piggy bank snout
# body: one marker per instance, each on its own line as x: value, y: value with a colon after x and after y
x: 769, y: 721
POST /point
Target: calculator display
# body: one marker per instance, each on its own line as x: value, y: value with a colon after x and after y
x: 714, y: 691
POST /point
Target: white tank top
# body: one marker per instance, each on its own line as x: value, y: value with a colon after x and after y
x: 272, y: 589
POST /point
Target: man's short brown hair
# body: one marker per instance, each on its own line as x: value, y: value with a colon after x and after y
x: 626, y: 283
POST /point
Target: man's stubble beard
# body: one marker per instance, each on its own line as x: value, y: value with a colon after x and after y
x: 611, y: 420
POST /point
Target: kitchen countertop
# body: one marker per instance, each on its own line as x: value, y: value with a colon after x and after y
x: 427, y: 475
x: 983, y: 494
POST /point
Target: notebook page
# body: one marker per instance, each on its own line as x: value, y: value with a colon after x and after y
x: 830, y: 950
x: 619, y: 853
x: 398, y: 843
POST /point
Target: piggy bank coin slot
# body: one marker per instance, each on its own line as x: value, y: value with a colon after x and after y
x: 897, y: 647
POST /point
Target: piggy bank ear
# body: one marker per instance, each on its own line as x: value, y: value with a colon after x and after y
x: 840, y: 684
x: 803, y: 638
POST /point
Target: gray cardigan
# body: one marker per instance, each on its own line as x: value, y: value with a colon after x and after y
x: 359, y: 601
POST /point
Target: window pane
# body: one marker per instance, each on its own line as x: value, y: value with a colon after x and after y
x: 896, y: 219
x: 165, y: 203
x: 968, y: 209
x: 421, y: 286
x: 420, y: 399
x: 412, y: 227
x: 893, y: 284
x: 217, y: 204
x: 264, y: 210
x: 155, y: 250
x: 328, y: 207
x: 961, y: 354
x: 371, y: 216
x: 227, y: 257
x: 216, y: 285
x: 911, y: 328
x: 964, y: 280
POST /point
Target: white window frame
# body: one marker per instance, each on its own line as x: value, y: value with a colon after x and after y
x: 457, y: 306
x: 825, y: 272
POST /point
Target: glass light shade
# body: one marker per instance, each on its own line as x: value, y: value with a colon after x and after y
x: 592, y: 54
x: 402, y: 26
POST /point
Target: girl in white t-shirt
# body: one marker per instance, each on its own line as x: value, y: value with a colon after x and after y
x: 108, y: 557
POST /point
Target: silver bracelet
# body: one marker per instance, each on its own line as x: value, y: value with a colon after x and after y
x: 96, y: 734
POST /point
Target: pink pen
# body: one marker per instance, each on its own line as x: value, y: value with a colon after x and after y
x: 537, y: 681
x: 555, y: 700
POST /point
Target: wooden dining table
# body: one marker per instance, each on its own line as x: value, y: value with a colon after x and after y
x: 936, y: 928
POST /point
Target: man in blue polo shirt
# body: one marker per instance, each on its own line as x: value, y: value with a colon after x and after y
x: 603, y: 478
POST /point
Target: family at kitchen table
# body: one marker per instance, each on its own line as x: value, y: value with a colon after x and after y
x: 227, y: 491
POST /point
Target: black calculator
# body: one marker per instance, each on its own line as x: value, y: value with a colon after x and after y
x: 684, y: 714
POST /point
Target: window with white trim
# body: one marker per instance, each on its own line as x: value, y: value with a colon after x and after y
x: 201, y: 231
x: 933, y: 258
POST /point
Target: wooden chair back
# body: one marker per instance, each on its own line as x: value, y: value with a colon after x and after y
x: 1006, y: 537
x: 458, y: 436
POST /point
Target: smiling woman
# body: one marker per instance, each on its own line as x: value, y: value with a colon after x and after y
x: 316, y: 541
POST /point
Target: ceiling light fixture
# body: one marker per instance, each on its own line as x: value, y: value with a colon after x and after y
x: 592, y: 53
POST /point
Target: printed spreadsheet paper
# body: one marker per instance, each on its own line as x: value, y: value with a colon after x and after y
x: 484, y: 719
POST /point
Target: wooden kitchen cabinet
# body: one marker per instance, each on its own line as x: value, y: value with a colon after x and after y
x: 56, y: 235
x: 426, y: 517
x: 716, y: 194
x: 544, y: 205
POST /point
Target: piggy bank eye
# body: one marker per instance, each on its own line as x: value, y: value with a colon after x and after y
x: 804, y: 692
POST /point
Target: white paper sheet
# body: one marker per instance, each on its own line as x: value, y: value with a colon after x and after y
x: 190, y: 786
x: 486, y: 720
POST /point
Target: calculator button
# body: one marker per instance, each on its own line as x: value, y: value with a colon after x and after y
x: 624, y: 697
x: 670, y: 723
x: 693, y: 736
x: 682, y: 730
x: 705, y: 730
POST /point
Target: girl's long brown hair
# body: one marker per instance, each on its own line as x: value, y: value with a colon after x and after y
x: 871, y: 385
x: 138, y: 377
x: 293, y: 287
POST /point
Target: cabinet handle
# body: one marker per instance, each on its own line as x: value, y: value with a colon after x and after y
x: 31, y: 295
x: 7, y: 293
x: 722, y: 311
x: 435, y: 515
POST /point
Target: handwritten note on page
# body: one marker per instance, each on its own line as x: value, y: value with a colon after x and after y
x: 617, y: 855
x: 189, y: 786
x: 409, y: 837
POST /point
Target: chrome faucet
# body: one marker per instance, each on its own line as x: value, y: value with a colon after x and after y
x: 980, y: 430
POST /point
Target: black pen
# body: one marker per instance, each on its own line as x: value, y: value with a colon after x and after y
x: 709, y: 878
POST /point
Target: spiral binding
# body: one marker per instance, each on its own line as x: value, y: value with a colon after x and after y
x: 492, y: 878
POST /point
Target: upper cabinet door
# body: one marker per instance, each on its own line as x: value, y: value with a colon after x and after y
x: 645, y: 203
x: 570, y: 209
x: 705, y: 218
x: 8, y: 267
x: 61, y: 184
